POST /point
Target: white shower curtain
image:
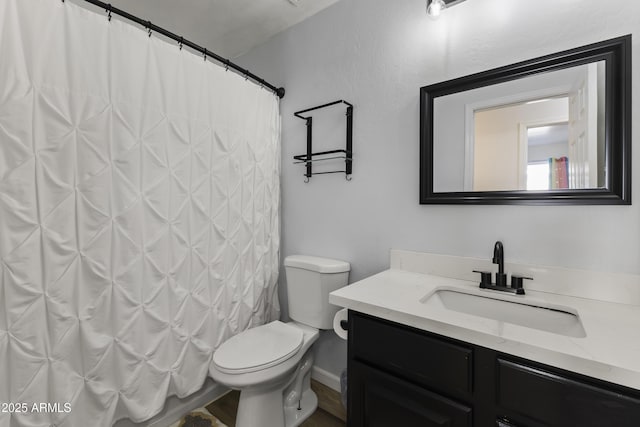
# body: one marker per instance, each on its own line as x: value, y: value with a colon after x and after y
x: 139, y: 215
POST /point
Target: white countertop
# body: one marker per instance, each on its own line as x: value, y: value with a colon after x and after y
x: 610, y: 351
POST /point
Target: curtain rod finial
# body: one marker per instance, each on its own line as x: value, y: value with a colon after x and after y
x: 280, y: 92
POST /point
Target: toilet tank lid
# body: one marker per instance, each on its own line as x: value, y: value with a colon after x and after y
x: 313, y: 263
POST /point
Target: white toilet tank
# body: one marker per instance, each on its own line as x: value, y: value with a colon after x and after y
x: 310, y: 280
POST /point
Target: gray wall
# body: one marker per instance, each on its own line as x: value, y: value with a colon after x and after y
x: 377, y: 54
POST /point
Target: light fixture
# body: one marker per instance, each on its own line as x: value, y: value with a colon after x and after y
x: 434, y: 7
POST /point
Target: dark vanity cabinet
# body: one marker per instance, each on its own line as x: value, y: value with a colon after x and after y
x: 405, y: 377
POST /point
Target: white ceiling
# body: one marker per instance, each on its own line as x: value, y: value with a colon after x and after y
x: 227, y: 27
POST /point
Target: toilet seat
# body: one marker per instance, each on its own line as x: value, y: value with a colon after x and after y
x: 258, y: 348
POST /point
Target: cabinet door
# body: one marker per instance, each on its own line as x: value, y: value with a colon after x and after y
x: 377, y: 399
x: 547, y: 398
x: 414, y: 355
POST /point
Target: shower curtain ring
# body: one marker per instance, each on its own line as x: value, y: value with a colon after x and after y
x: 108, y: 10
x: 180, y: 43
x: 205, y: 54
x: 149, y: 27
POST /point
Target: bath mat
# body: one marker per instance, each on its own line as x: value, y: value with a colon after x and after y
x: 199, y: 418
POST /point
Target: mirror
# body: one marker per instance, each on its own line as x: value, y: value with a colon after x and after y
x: 552, y: 130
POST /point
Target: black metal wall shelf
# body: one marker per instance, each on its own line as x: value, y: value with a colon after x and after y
x: 310, y: 157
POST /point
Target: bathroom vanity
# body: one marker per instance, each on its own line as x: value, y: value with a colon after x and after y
x: 408, y: 377
x: 418, y: 360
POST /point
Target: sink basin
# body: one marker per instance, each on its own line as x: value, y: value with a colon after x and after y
x: 535, y: 315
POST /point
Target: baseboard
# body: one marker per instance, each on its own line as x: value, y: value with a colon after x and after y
x: 327, y: 388
x: 329, y: 400
x: 175, y: 408
x: 325, y: 377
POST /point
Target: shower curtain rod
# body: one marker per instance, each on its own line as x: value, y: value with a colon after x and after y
x: 184, y: 42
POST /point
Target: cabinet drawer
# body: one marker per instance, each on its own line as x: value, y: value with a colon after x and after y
x: 554, y: 400
x: 378, y: 399
x: 412, y: 354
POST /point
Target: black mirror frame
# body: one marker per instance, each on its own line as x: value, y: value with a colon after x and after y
x: 617, y: 56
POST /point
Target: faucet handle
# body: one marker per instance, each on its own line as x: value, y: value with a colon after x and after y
x: 516, y: 283
x: 485, y: 277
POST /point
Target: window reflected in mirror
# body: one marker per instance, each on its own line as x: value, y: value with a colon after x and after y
x: 547, y: 163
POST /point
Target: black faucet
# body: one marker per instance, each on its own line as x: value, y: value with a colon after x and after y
x: 498, y: 258
x: 501, y: 278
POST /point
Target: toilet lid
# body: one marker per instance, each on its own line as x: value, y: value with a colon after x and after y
x: 258, y: 348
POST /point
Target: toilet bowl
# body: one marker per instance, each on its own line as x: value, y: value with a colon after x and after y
x: 267, y: 378
x: 271, y: 364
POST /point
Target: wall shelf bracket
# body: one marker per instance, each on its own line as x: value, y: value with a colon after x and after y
x: 310, y: 157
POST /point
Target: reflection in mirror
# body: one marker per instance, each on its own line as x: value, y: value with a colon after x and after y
x: 508, y: 140
x: 543, y: 143
x: 555, y: 129
x: 555, y: 118
x: 547, y: 162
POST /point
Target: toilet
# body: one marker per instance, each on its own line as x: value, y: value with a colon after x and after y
x: 271, y: 364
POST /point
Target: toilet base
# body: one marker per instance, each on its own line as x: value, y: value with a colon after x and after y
x: 294, y: 416
x: 269, y: 397
x: 267, y: 409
